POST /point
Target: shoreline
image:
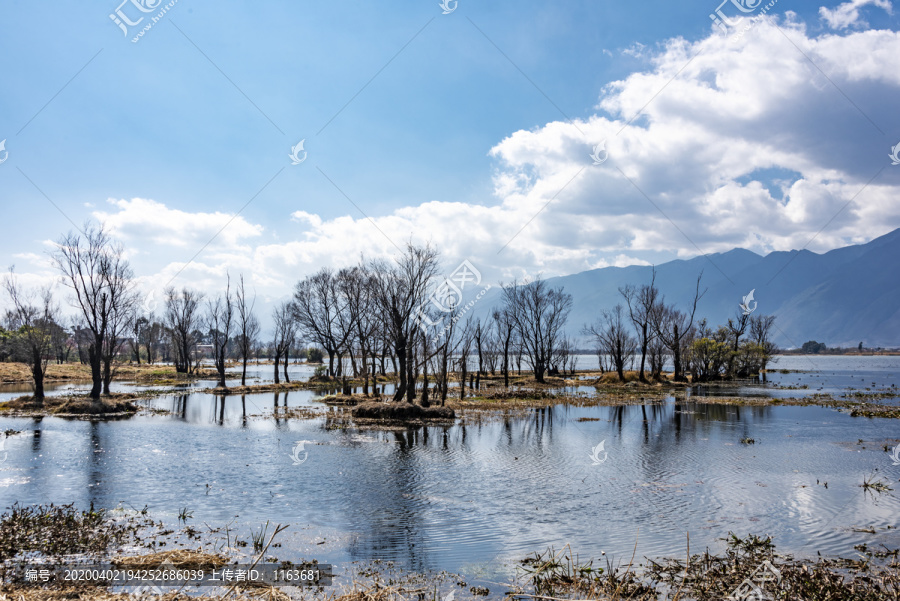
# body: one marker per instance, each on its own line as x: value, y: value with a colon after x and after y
x: 522, y: 394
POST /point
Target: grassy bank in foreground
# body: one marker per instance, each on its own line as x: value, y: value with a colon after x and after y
x: 55, y: 533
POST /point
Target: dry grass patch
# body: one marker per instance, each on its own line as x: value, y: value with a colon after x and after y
x: 401, y: 411
x: 180, y: 558
x: 120, y: 404
x: 15, y: 373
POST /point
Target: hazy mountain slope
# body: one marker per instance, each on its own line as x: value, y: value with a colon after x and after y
x: 840, y: 297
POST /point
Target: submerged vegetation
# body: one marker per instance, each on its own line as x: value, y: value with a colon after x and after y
x: 56, y: 532
x: 710, y: 577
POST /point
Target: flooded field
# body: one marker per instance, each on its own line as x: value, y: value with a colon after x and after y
x: 475, y: 498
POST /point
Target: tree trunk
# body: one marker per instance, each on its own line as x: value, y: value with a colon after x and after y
x: 506, y: 363
x: 37, y: 372
x: 365, y: 368
x: 462, y: 380
x: 287, y: 354
x: 425, y: 402
x: 244, y: 371
x: 107, y: 374
x: 96, y: 375
x: 676, y: 357
x: 644, y: 344
x: 400, y: 369
x: 411, y: 374
x: 220, y: 367
x: 277, y: 359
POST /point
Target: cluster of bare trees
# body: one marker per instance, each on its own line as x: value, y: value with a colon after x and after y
x: 384, y: 310
x: 533, y: 316
x: 362, y: 317
x: 366, y: 314
x: 658, y: 331
x: 94, y: 268
x: 229, y: 326
x: 108, y: 314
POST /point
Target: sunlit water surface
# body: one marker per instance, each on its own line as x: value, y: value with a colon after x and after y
x: 474, y: 499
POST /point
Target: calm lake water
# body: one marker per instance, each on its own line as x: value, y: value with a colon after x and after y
x: 474, y: 499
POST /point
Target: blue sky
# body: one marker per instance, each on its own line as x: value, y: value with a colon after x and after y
x: 460, y: 138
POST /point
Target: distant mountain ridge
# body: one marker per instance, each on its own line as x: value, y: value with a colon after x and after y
x: 841, y: 297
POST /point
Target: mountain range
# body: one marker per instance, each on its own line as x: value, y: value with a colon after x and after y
x: 842, y: 297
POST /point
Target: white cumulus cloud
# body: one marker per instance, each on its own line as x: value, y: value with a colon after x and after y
x: 847, y: 14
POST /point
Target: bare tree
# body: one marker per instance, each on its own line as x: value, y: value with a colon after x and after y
x: 565, y: 359
x: 95, y: 269
x: 506, y: 327
x: 399, y: 290
x: 761, y: 331
x: 219, y: 320
x: 182, y: 318
x: 674, y: 328
x: 322, y: 315
x: 540, y: 313
x: 614, y: 338
x: 154, y: 335
x: 137, y: 327
x: 479, y: 348
x: 123, y: 306
x: 247, y: 326
x: 491, y: 350
x: 283, y: 316
x: 449, y: 341
x: 736, y: 325
x: 60, y: 342
x: 82, y: 337
x: 641, y: 304
x: 357, y: 287
x: 656, y: 355
x: 464, y: 349
x: 33, y: 317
